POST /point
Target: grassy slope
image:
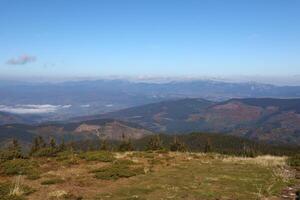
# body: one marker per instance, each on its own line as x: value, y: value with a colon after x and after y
x: 203, y: 178
x: 167, y: 176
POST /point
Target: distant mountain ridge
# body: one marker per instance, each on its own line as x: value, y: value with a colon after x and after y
x: 78, y: 98
x: 9, y: 118
x: 262, y: 119
x: 108, y: 129
x: 271, y: 120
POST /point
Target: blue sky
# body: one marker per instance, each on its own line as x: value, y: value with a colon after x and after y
x: 149, y: 37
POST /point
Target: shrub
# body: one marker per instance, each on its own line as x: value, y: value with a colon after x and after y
x: 52, y: 181
x: 124, y: 162
x: 155, y: 143
x: 68, y: 158
x: 34, y: 175
x: 104, y: 146
x: 119, y: 169
x: 126, y: 144
x: 116, y: 171
x: 177, y: 145
x: 19, y: 167
x: 46, y: 152
x: 294, y: 160
x: 6, y: 155
x: 12, y: 152
x: 103, y: 156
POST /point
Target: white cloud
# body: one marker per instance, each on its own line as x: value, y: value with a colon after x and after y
x: 33, y: 108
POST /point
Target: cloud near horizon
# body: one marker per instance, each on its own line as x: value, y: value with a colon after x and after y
x: 33, y: 109
x: 21, y: 60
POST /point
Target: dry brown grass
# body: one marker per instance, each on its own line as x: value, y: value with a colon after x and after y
x: 266, y: 161
x: 16, y: 189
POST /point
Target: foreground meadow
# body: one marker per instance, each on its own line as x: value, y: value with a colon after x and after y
x: 144, y: 175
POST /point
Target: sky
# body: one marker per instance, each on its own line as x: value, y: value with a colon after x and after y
x: 90, y: 38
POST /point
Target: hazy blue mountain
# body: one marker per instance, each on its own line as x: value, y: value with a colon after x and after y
x: 59, y: 101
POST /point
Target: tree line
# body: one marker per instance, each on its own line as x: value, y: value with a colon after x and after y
x: 192, y: 142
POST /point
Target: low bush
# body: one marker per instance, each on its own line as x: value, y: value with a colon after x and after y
x: 46, y: 152
x: 103, y: 156
x: 19, y: 167
x: 33, y: 175
x: 65, y: 155
x: 119, y: 169
x: 68, y: 158
x: 6, y: 155
x: 52, y: 181
x: 116, y: 172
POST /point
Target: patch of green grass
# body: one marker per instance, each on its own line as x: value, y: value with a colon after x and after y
x: 52, y: 181
x: 119, y: 169
x: 20, y: 167
x: 196, y: 180
x: 67, y: 158
x: 103, y: 156
x: 34, y: 175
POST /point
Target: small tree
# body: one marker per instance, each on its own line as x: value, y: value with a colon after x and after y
x: 62, y: 146
x: 52, y: 144
x: 41, y: 142
x: 248, y: 151
x: 155, y: 143
x: 15, y: 149
x: 177, y: 145
x: 126, y: 144
x: 103, y: 145
x: 207, y: 146
x: 35, y: 146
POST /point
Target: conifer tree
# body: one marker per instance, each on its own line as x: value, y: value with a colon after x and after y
x: 103, y: 145
x: 35, y: 146
x: 62, y: 146
x: 41, y: 142
x: 126, y: 144
x: 155, y: 143
x: 177, y: 145
x: 52, y: 143
x: 207, y: 146
x: 15, y: 149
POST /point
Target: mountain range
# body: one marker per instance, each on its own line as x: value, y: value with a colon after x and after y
x: 113, y: 108
x: 264, y: 119
x: 41, y: 102
x: 261, y: 119
x: 107, y: 129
